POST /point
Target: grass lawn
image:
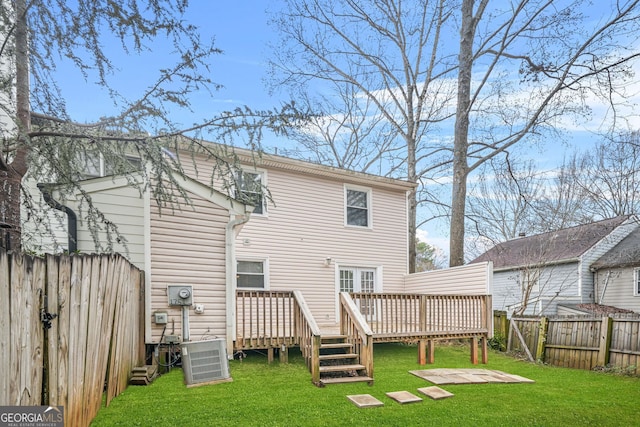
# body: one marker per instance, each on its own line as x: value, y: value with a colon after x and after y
x: 282, y: 395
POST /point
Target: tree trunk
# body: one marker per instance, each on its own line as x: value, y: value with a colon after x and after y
x: 412, y: 203
x: 460, y: 141
x: 13, y: 169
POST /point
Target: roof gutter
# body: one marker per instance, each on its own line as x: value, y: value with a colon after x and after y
x: 72, y: 220
x: 536, y: 265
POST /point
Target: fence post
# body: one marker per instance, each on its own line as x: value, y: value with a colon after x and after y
x: 605, y: 341
x: 542, y: 338
x: 500, y: 324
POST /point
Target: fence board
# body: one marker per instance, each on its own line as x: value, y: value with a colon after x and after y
x: 5, y: 325
x: 51, y: 362
x: 81, y: 291
x: 583, y: 342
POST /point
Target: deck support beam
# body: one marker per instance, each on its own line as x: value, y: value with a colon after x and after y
x: 284, y: 354
x: 426, y: 351
x: 474, y: 350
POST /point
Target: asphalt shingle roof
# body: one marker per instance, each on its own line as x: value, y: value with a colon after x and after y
x: 554, y: 246
x: 624, y: 254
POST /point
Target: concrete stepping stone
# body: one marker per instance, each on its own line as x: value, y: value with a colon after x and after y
x: 435, y: 392
x: 404, y: 397
x: 364, y: 400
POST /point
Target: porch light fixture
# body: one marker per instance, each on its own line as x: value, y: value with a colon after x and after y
x: 327, y: 261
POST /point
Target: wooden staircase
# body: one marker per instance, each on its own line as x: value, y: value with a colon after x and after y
x: 339, y: 363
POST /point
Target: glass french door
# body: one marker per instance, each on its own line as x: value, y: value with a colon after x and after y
x: 355, y: 279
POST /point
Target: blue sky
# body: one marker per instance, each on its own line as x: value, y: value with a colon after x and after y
x: 241, y: 30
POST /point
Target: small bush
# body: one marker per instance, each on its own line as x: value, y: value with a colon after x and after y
x: 498, y: 342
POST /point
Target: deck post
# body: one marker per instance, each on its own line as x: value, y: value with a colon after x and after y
x: 485, y: 354
x: 270, y: 355
x: 474, y: 350
x: 422, y: 352
x: 284, y: 354
x: 431, y: 350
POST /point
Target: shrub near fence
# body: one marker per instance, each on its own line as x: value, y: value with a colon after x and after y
x: 579, y: 342
x: 68, y: 326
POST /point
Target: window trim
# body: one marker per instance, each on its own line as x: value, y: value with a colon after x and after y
x: 369, y: 193
x: 263, y: 182
x: 265, y: 272
x: 636, y: 282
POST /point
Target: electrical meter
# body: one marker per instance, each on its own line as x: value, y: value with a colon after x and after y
x: 180, y: 294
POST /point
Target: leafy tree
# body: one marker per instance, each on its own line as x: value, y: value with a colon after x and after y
x: 42, y: 142
x: 429, y: 257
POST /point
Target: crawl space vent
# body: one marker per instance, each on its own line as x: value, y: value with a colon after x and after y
x: 205, y: 362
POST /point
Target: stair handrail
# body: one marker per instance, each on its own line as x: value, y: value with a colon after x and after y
x: 358, y: 332
x: 308, y: 334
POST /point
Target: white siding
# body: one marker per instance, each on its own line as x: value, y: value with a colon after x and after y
x: 188, y: 247
x: 617, y: 285
x: 34, y: 237
x: 602, y: 247
x: 125, y: 208
x: 305, y: 225
x: 471, y: 279
x: 556, y: 284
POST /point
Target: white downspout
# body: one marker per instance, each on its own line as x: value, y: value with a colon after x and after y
x: 230, y: 256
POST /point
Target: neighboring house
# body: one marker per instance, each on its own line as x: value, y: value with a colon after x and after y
x: 617, y: 275
x: 536, y: 274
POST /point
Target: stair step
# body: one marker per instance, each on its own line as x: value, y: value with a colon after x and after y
x: 336, y: 345
x: 338, y: 356
x: 333, y: 337
x: 340, y: 368
x: 346, y: 380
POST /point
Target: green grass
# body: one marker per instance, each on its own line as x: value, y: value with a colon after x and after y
x: 282, y: 395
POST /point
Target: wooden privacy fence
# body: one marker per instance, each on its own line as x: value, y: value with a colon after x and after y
x: 578, y: 342
x: 71, y: 328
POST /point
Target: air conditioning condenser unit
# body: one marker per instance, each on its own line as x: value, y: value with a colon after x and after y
x: 205, y: 362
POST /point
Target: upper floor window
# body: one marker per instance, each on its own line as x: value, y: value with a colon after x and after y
x: 95, y: 165
x: 636, y: 282
x: 358, y: 207
x: 250, y: 186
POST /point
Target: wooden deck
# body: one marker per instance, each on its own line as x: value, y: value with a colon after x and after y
x: 281, y: 319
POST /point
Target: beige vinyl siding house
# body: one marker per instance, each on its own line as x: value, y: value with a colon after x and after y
x: 304, y: 241
x: 472, y: 279
x: 321, y: 231
x: 176, y: 245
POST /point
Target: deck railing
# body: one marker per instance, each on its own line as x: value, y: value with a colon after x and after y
x: 397, y: 315
x: 273, y: 319
x: 282, y: 319
x: 354, y: 327
x: 308, y: 335
x: 264, y: 319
